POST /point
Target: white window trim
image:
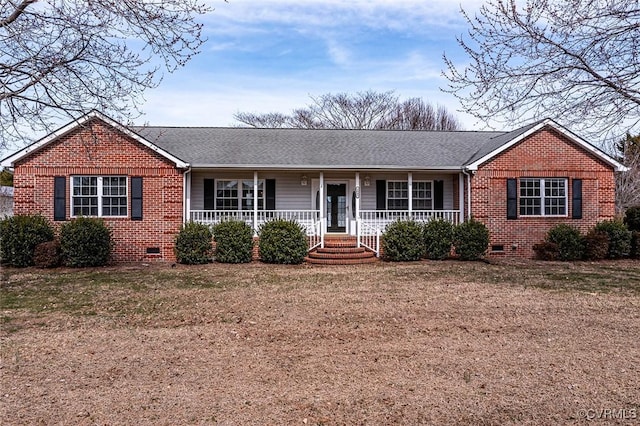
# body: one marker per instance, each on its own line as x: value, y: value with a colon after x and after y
x: 240, y: 183
x: 543, y: 198
x: 409, y: 188
x: 99, y: 195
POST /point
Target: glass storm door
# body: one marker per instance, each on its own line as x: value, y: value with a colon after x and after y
x: 336, y: 207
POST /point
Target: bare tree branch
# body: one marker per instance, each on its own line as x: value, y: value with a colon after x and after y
x: 61, y: 58
x: 363, y: 110
x: 577, y: 61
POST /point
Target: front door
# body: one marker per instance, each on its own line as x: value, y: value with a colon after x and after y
x: 336, y: 207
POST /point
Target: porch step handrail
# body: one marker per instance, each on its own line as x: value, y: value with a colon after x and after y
x: 368, y: 236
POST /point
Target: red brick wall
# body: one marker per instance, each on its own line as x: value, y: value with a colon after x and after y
x: 544, y: 154
x: 99, y: 149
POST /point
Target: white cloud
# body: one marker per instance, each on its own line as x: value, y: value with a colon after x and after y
x: 422, y: 16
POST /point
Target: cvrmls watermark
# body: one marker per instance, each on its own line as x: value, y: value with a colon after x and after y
x: 609, y: 414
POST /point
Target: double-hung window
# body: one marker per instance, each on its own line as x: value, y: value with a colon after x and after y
x: 232, y: 194
x: 99, y: 196
x: 543, y: 197
x: 398, y: 195
x: 422, y: 195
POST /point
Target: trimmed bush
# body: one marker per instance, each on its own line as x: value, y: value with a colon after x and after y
x: 403, y: 240
x: 635, y: 245
x: 546, y: 250
x: 283, y: 241
x: 20, y: 235
x: 471, y: 240
x: 85, y: 241
x: 619, y: 238
x: 438, y: 239
x: 234, y: 241
x: 596, y: 245
x: 47, y: 254
x: 569, y: 241
x: 193, y: 244
x: 632, y: 218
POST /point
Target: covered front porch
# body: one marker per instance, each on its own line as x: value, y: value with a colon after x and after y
x: 357, y: 203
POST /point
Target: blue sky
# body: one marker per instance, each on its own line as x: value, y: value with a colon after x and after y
x: 271, y: 55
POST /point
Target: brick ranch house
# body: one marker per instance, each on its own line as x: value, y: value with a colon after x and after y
x: 145, y: 182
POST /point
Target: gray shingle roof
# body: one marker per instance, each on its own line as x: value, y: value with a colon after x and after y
x: 301, y: 148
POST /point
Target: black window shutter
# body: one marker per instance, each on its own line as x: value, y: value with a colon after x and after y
x: 512, y: 199
x: 270, y: 194
x: 438, y: 195
x: 209, y: 194
x: 576, y: 199
x: 136, y: 198
x: 59, y: 198
x: 353, y: 204
x: 381, y: 194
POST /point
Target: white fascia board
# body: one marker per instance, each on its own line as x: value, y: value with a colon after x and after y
x: 289, y: 167
x: 571, y: 136
x: 10, y: 161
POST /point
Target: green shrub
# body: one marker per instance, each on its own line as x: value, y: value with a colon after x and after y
x: 85, y: 241
x: 283, y: 241
x: 619, y: 238
x: 596, y: 245
x: 403, y: 240
x: 569, y: 241
x: 438, y: 238
x: 632, y: 218
x: 471, y: 239
x: 19, y: 236
x: 234, y: 241
x: 48, y: 254
x: 546, y: 250
x: 635, y: 245
x: 193, y: 244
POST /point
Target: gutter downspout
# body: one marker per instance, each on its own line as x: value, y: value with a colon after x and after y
x: 186, y: 195
x: 468, y: 188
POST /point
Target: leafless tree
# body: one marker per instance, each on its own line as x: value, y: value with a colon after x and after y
x: 363, y: 110
x: 628, y: 183
x: 575, y: 60
x: 62, y: 58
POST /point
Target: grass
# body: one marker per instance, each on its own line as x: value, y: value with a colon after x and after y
x: 511, y: 342
x: 97, y: 291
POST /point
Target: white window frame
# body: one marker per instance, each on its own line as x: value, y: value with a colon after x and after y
x: 544, y: 184
x: 240, y: 194
x: 413, y: 195
x: 216, y: 189
x: 430, y: 182
x: 250, y: 197
x: 99, y: 195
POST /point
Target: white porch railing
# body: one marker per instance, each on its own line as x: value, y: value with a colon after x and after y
x: 368, y: 236
x: 380, y: 219
x: 369, y: 227
x: 308, y: 219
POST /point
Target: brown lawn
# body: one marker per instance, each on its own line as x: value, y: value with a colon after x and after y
x: 427, y: 342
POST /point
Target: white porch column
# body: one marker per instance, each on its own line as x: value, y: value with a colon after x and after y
x: 461, y: 197
x: 323, y: 212
x: 358, y: 195
x: 255, y: 201
x: 186, y: 187
x: 410, y: 187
